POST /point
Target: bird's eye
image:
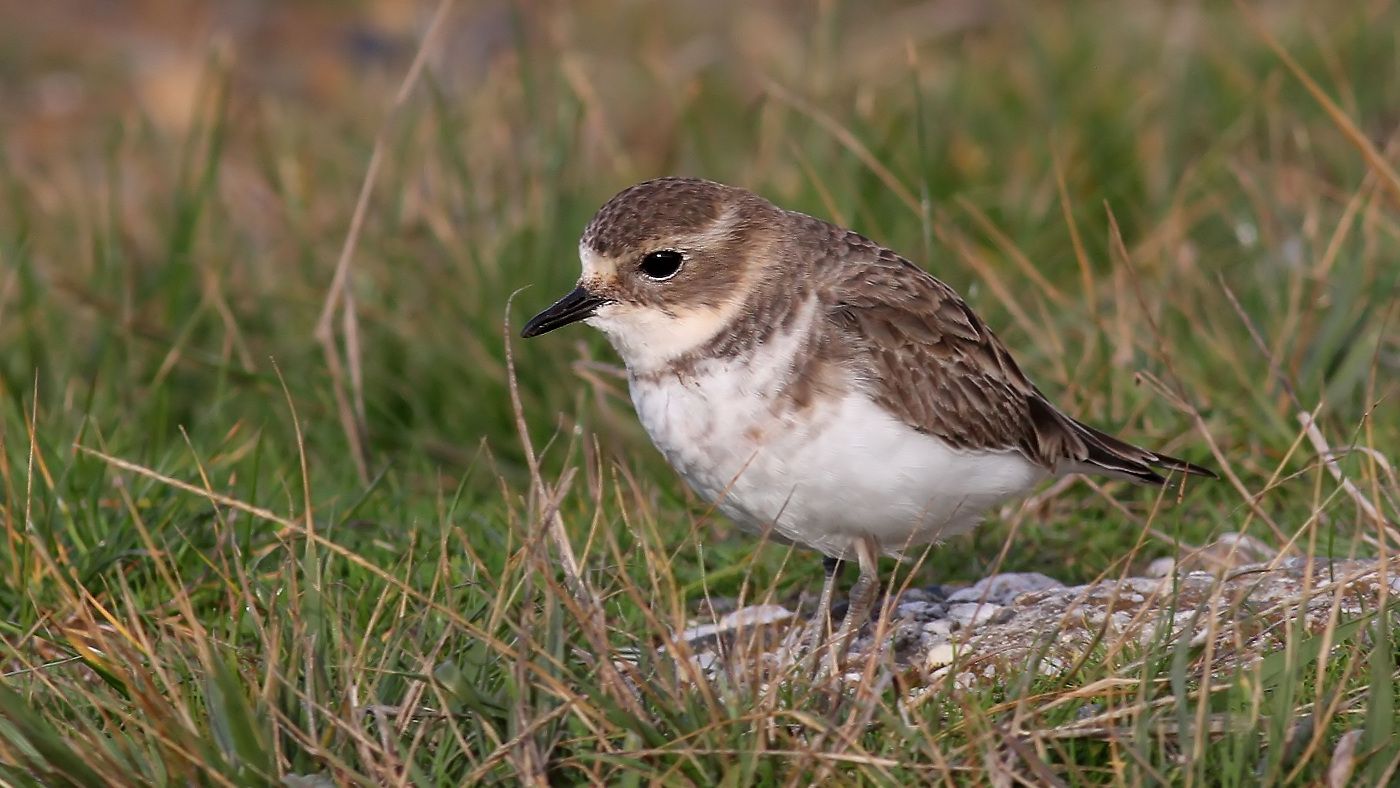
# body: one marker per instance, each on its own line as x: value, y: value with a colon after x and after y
x: 662, y: 264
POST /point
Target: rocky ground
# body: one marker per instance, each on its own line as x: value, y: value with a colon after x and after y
x: 1235, y: 591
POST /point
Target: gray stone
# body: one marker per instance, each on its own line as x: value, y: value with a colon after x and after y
x: 921, y: 595
x: 1162, y: 567
x: 970, y: 614
x: 1003, y: 588
x: 940, y: 628
x: 921, y: 611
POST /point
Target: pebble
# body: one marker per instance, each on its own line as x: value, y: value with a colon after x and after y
x: 1003, y: 588
x: 926, y: 594
x: 920, y: 610
x: 938, y: 656
x: 1162, y: 567
x: 939, y: 627
x: 906, y: 636
x: 754, y: 616
x: 970, y: 614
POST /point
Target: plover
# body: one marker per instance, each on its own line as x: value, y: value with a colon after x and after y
x: 815, y: 385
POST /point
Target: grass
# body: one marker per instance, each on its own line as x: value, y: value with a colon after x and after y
x: 235, y: 558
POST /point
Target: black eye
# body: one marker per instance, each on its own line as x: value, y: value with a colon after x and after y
x: 662, y: 264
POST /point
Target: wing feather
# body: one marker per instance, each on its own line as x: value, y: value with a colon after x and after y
x: 934, y: 364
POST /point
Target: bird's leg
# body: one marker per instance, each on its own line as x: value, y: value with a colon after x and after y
x: 821, y: 628
x: 861, y: 598
x: 832, y: 567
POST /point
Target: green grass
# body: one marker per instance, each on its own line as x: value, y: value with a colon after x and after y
x: 200, y: 584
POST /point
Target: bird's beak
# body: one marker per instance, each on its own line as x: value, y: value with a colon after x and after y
x: 576, y: 306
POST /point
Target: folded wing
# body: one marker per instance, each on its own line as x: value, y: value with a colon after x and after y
x: 935, y: 365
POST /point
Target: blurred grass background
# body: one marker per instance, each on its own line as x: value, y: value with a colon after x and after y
x: 1124, y: 190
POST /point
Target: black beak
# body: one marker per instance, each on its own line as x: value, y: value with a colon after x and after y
x: 576, y: 306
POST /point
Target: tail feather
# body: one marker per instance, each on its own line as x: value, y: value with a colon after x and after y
x: 1061, y: 442
x: 1107, y: 453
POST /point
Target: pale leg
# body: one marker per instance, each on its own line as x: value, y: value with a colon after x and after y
x: 821, y: 628
x: 862, y: 596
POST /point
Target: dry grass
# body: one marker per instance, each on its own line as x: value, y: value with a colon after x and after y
x: 277, y: 509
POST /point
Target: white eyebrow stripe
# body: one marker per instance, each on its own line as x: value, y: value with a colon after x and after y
x: 717, y: 231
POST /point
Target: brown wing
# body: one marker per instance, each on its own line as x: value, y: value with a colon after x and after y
x: 933, y: 362
x: 936, y: 366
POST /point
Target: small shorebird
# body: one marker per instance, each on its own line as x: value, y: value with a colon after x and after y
x: 814, y: 384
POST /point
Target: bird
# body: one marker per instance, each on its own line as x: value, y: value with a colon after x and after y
x: 816, y: 386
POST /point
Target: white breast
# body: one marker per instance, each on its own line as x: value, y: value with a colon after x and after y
x: 821, y: 476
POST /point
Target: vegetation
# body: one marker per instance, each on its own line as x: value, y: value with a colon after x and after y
x: 281, y: 507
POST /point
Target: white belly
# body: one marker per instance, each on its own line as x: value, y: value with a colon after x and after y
x: 822, y: 476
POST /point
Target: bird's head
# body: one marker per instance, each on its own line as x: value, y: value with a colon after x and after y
x: 666, y: 265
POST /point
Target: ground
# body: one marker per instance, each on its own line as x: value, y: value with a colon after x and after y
x: 284, y: 500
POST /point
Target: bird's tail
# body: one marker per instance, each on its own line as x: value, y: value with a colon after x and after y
x: 1107, y: 454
